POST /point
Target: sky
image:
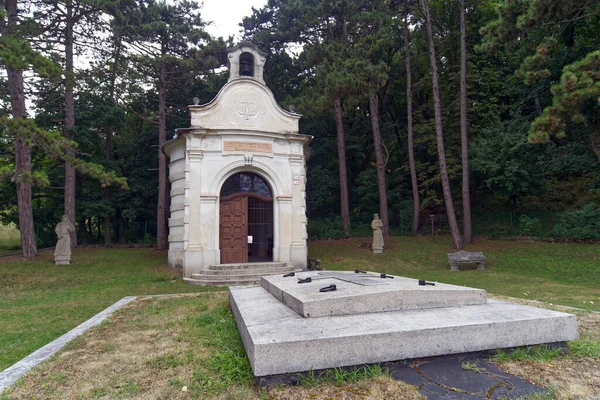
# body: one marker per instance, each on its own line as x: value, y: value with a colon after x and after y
x: 227, y: 14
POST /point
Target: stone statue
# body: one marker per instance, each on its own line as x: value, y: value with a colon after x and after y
x: 62, y: 252
x: 376, y: 225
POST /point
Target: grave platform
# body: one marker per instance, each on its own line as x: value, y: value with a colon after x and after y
x: 279, y: 339
x: 360, y: 293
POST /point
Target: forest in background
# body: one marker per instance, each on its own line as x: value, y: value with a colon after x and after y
x: 110, y: 80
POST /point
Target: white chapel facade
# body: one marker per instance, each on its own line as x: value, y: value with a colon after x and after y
x: 238, y: 177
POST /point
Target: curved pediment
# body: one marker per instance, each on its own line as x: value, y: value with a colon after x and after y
x: 244, y: 104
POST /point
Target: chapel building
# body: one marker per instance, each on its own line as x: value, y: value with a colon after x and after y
x: 238, y: 182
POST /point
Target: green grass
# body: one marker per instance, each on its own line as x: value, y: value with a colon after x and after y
x: 10, y: 238
x: 558, y: 273
x: 342, y: 376
x: 228, y: 360
x: 538, y: 353
x: 40, y: 301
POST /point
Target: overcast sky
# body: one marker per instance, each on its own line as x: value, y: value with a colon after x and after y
x: 227, y: 14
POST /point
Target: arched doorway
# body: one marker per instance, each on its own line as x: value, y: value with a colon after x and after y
x: 246, y: 219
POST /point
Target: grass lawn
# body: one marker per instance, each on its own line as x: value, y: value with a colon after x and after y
x: 192, y: 344
x: 558, y: 273
x: 40, y: 301
x: 186, y: 346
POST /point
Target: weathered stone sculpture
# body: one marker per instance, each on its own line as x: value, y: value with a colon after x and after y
x: 62, y: 252
x: 376, y: 225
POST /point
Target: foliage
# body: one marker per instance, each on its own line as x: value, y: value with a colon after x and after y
x: 535, y: 80
x: 529, y: 226
x: 327, y: 228
x: 10, y: 238
x: 580, y: 224
x: 505, y: 161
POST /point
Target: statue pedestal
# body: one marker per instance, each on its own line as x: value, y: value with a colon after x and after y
x: 62, y: 260
x: 377, y: 250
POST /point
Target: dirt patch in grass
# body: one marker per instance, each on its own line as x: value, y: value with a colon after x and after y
x: 575, y: 375
x: 570, y: 378
x: 373, y: 389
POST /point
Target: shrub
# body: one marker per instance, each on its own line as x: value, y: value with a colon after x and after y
x: 580, y: 224
x: 529, y: 226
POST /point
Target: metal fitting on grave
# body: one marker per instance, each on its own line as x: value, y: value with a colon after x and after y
x: 289, y: 274
x: 423, y: 282
x: 306, y: 280
x: 329, y: 288
x: 358, y: 271
x: 386, y: 276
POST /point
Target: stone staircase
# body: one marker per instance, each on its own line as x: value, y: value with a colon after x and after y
x: 239, y: 274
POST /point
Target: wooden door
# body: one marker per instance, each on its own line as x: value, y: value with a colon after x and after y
x: 233, y: 231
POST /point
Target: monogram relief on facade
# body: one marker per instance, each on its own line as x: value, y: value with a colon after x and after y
x: 246, y: 111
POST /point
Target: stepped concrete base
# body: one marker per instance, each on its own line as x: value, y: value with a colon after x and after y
x: 358, y: 293
x: 278, y: 340
x: 238, y: 274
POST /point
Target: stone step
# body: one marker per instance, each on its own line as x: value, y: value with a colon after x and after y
x: 257, y: 265
x: 238, y: 275
x: 255, y: 271
x: 203, y: 282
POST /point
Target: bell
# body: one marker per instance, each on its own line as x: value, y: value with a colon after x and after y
x: 245, y: 69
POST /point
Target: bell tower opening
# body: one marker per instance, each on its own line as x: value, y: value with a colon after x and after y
x: 246, y: 64
x: 246, y: 61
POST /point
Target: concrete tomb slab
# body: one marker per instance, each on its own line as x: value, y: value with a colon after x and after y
x: 359, y: 293
x: 278, y: 339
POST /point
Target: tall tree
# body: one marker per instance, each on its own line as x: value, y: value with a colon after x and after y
x: 343, y: 175
x: 10, y: 43
x: 456, y: 238
x: 409, y: 125
x: 464, y: 122
x: 166, y: 38
x: 380, y: 162
x: 70, y: 25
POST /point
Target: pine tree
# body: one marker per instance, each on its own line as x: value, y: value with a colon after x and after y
x: 464, y: 122
x: 439, y: 132
x: 409, y: 128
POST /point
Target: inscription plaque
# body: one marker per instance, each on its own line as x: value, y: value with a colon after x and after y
x: 248, y: 146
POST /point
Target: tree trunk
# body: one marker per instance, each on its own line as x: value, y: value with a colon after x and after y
x: 411, y: 151
x: 109, y: 134
x: 383, y: 208
x: 161, y: 213
x: 464, y: 138
x: 345, y: 207
x: 22, y: 150
x: 107, y: 196
x: 439, y: 133
x: 595, y: 142
x: 69, y: 120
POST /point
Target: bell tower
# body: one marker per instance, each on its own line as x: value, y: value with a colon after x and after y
x: 246, y: 61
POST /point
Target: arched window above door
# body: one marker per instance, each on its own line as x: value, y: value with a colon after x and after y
x: 246, y: 182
